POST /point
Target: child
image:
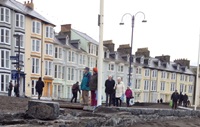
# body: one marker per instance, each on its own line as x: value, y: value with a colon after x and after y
x: 129, y: 95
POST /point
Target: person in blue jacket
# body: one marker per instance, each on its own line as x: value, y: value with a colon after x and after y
x: 85, y: 85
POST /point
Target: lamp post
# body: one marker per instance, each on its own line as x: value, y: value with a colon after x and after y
x: 133, y: 22
x: 18, y: 37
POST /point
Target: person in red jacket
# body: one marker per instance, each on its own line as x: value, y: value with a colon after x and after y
x: 129, y: 95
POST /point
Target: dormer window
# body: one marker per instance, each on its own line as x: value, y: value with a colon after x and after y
x: 111, y: 67
x: 120, y: 68
x: 93, y: 49
x: 142, y: 60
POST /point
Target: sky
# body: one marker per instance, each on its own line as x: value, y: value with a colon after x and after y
x: 172, y: 27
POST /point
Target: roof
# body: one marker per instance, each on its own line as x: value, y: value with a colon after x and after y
x: 85, y: 36
x: 17, y: 6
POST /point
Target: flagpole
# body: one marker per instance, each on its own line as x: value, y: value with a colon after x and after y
x: 197, y: 79
x: 100, y: 53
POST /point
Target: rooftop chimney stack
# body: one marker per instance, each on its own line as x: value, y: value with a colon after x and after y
x: 124, y: 49
x: 65, y: 28
x: 143, y: 52
x: 110, y: 45
x: 29, y: 4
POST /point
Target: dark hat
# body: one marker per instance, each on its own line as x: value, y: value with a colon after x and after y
x: 87, y: 69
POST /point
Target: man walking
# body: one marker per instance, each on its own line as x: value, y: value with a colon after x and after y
x: 39, y: 87
x: 93, y: 87
x: 85, y: 85
x: 175, y: 98
x: 10, y: 88
x: 109, y: 90
x: 75, y: 90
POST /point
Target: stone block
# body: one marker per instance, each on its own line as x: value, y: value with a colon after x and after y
x: 147, y: 111
x: 165, y: 113
x: 43, y: 110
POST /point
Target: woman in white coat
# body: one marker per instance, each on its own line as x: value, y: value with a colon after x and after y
x: 120, y: 90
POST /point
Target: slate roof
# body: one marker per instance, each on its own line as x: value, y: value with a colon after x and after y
x: 19, y: 7
x: 87, y: 37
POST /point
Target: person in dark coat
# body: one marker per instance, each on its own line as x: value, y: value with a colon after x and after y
x: 175, y: 98
x: 39, y: 87
x: 185, y: 100
x: 10, y: 88
x: 109, y: 90
x: 161, y: 100
x: 181, y: 99
x: 93, y: 87
x: 16, y: 89
x: 75, y: 90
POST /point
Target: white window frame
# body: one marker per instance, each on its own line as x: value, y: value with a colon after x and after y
x: 147, y: 72
x: 22, y: 40
x: 5, y: 59
x: 120, y: 68
x: 5, y: 82
x: 48, y: 68
x: 146, y: 85
x: 70, y: 74
x: 182, y: 86
x: 35, y: 45
x: 71, y: 56
x: 154, y: 73
x: 6, y: 38
x: 182, y: 77
x: 93, y: 49
x: 33, y: 90
x: 49, y: 49
x: 4, y: 15
x: 137, y: 84
x: 111, y: 67
x: 154, y: 85
x: 49, y: 32
x: 138, y: 71
x: 63, y: 72
x: 191, y: 79
x: 36, y: 27
x: 173, y: 76
x: 21, y: 20
x: 172, y: 86
x: 36, y: 69
x: 162, y: 86
x: 163, y: 75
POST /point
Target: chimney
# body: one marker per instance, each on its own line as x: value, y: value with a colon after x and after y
x: 164, y: 58
x: 29, y: 4
x: 110, y: 45
x: 183, y: 62
x: 142, y: 52
x: 124, y: 49
x: 65, y: 28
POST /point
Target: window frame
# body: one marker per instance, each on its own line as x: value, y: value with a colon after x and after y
x: 49, y: 32
x: 36, y: 27
x: 35, y: 45
x: 21, y: 20
x: 49, y: 49
x: 4, y: 15
x: 6, y: 39
x: 147, y: 72
x: 6, y: 61
x: 111, y: 67
x: 5, y: 82
x: 34, y: 70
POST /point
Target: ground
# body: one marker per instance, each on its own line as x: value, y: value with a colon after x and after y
x: 14, y: 105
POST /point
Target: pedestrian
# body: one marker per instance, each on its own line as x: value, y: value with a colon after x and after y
x: 158, y: 101
x: 180, y: 99
x: 109, y: 90
x: 85, y: 85
x: 16, y: 89
x: 161, y: 100
x: 75, y: 90
x: 175, y: 98
x: 93, y: 87
x: 39, y: 87
x: 129, y: 95
x: 10, y: 88
x: 119, y: 92
x: 185, y: 100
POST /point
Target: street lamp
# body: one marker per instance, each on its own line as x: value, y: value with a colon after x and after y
x: 133, y: 21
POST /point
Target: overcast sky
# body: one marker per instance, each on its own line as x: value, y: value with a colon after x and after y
x: 172, y: 26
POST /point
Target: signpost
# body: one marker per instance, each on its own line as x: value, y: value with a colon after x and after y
x: 14, y: 58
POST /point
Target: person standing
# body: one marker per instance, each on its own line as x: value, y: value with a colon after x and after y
x: 129, y: 95
x: 39, y: 87
x: 175, y: 98
x: 180, y: 99
x: 16, y: 89
x: 109, y: 90
x: 85, y: 85
x: 10, y: 88
x: 75, y: 90
x: 93, y: 87
x: 185, y: 100
x: 119, y: 92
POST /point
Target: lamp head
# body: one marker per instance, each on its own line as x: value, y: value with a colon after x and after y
x: 144, y: 21
x: 121, y: 23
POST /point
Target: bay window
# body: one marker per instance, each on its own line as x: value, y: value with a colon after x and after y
x: 70, y: 74
x: 5, y: 59
x: 36, y: 27
x: 49, y: 32
x: 4, y: 80
x: 35, y: 65
x: 58, y: 53
x: 48, y: 68
x: 5, y: 35
x: 71, y: 56
x: 19, y: 20
x: 5, y: 15
x: 49, y: 49
x: 36, y: 44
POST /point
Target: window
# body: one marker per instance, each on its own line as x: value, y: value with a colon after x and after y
x: 70, y: 74
x: 33, y: 90
x: 147, y: 72
x: 93, y: 49
x: 146, y: 85
x: 153, y: 85
x: 163, y: 74
x: 138, y: 70
x: 80, y: 75
x: 186, y: 78
x: 5, y: 15
x: 49, y: 49
x: 173, y: 76
x: 71, y: 56
x: 111, y: 67
x: 58, y: 53
x: 21, y: 43
x: 5, y: 59
x: 35, y: 65
x: 49, y: 32
x: 58, y: 73
x: 36, y: 27
x: 5, y: 35
x: 19, y: 20
x: 181, y: 87
x: 120, y: 68
x: 80, y: 59
x: 48, y: 68
x: 36, y: 44
x: 154, y: 73
x: 191, y: 79
x: 137, y: 83
x: 190, y: 90
x: 92, y: 62
x: 162, y: 86
x: 182, y: 77
x: 63, y: 72
x: 173, y: 87
x: 4, y: 80
x: 185, y: 89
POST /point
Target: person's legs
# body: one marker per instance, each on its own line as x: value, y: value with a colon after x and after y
x: 175, y: 105
x: 75, y: 96
x: 117, y: 102
x: 127, y: 102
x: 83, y: 96
x: 93, y: 98
x: 120, y: 102
x: 114, y: 99
x: 72, y: 97
x: 110, y: 99
x: 107, y: 99
x: 86, y: 97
